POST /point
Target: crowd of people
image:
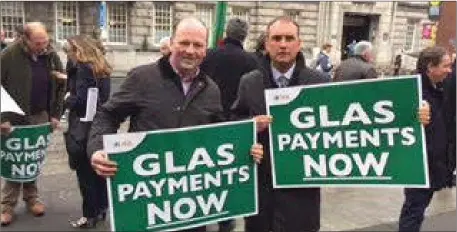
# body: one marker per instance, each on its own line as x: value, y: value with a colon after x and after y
x: 192, y: 85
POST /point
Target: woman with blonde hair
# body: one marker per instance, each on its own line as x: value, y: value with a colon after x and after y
x: 89, y: 69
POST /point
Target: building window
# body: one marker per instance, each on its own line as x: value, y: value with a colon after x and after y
x: 117, y: 22
x: 205, y: 13
x: 66, y: 20
x: 162, y: 21
x: 293, y: 14
x: 413, y: 35
x: 12, y: 16
x: 238, y: 12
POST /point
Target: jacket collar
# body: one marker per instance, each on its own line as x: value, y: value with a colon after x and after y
x: 427, y: 84
x: 168, y: 72
x: 234, y: 42
x: 268, y: 76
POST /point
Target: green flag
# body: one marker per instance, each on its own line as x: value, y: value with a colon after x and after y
x: 218, y: 32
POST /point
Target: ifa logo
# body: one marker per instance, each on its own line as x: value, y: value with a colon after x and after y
x: 123, y: 143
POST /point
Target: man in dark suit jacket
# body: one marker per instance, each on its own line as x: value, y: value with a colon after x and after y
x: 279, y: 209
x: 226, y: 64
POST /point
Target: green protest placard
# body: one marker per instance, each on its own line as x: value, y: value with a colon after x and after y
x: 360, y: 133
x: 23, y: 152
x: 182, y: 178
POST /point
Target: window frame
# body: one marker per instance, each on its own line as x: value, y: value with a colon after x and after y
x: 416, y: 35
x: 213, y: 19
x: 57, y: 24
x: 22, y: 8
x: 170, y: 5
x: 288, y: 13
x: 108, y: 23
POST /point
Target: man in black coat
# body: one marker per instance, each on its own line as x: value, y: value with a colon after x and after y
x: 279, y: 209
x: 226, y: 64
x: 449, y: 91
x: 434, y: 65
x: 358, y: 66
x: 170, y: 93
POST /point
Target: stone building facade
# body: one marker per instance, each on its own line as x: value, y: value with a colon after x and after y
x: 134, y: 28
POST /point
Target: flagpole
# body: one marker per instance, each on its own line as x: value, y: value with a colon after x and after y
x: 218, y: 32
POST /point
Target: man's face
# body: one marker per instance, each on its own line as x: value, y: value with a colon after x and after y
x: 38, y: 42
x: 282, y: 43
x: 441, y: 71
x: 188, y: 47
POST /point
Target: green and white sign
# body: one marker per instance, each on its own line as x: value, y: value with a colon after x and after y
x: 182, y: 178
x: 360, y: 133
x: 23, y: 152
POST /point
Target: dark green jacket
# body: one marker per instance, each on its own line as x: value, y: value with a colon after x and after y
x: 16, y: 78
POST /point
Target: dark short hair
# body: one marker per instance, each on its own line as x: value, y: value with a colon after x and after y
x: 430, y: 56
x: 237, y: 29
x: 283, y: 19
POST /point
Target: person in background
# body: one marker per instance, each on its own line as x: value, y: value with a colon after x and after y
x: 358, y: 66
x: 27, y: 73
x: 165, y: 46
x: 2, y: 41
x: 350, y: 48
x: 450, y: 105
x: 434, y: 65
x: 226, y: 64
x: 18, y: 32
x: 323, y: 62
x: 90, y: 70
x: 260, y: 46
x: 397, y: 63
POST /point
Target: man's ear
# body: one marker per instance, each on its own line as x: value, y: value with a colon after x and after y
x: 429, y: 67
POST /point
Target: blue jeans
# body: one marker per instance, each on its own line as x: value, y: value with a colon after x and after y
x: 412, y: 212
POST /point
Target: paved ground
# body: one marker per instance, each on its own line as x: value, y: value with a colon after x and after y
x: 343, y: 209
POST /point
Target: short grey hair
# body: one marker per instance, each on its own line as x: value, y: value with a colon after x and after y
x: 361, y: 47
x: 164, y: 41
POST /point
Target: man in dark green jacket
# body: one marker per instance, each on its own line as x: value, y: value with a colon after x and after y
x: 32, y: 74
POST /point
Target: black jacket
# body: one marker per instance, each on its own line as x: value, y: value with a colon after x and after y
x: 80, y: 79
x: 153, y: 97
x: 251, y: 99
x: 251, y: 102
x: 436, y: 135
x: 354, y: 68
x: 450, y: 97
x: 225, y: 65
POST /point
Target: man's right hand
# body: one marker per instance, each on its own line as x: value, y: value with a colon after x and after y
x: 103, y: 166
x: 5, y: 128
x: 262, y: 122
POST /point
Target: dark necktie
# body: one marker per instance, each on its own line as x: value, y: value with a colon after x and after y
x: 282, y: 81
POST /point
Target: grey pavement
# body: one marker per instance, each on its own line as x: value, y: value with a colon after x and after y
x: 343, y: 209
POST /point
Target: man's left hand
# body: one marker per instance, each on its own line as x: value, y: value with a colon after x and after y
x: 424, y: 113
x: 55, y: 123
